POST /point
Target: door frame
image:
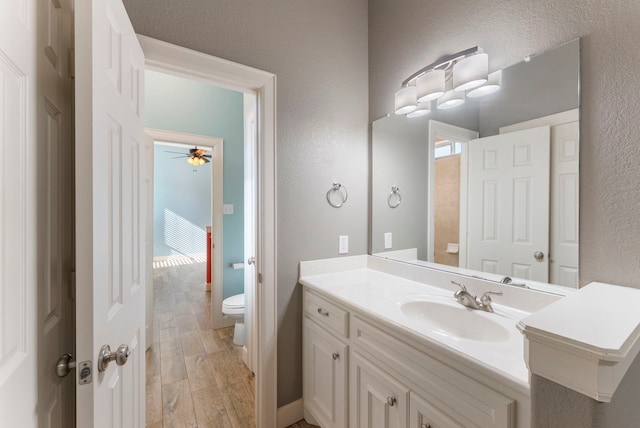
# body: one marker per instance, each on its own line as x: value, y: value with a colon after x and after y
x: 464, y: 136
x: 179, y: 61
x: 216, y: 145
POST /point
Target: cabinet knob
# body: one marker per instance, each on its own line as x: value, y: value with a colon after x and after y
x: 391, y: 401
x: 323, y: 312
x: 335, y: 355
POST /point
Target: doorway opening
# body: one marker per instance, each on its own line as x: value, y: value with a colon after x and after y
x: 204, y: 203
x: 174, y: 60
x: 169, y: 58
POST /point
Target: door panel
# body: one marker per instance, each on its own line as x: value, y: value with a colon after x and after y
x: 564, y: 204
x: 110, y: 211
x: 325, y: 380
x: 18, y: 304
x: 55, y: 210
x: 510, y: 185
x: 378, y: 400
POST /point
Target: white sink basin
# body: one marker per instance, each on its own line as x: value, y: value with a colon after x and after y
x: 449, y: 318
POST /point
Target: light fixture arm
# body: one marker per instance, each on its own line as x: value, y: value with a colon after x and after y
x: 442, y: 64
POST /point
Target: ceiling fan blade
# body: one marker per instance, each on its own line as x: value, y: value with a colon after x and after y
x: 180, y: 153
x: 206, y: 160
x: 206, y: 156
x: 183, y: 156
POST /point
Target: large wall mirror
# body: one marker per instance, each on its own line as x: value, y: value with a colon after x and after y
x: 489, y: 188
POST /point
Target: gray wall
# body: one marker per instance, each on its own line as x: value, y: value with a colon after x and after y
x: 547, y: 84
x: 318, y: 50
x: 404, y: 35
x: 400, y: 157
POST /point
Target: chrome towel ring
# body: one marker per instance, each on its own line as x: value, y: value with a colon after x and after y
x: 337, y: 195
x: 394, y: 198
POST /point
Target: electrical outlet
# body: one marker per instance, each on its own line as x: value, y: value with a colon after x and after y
x: 343, y: 244
x: 227, y: 209
x: 387, y: 241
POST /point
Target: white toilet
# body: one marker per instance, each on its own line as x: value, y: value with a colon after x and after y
x: 233, y: 307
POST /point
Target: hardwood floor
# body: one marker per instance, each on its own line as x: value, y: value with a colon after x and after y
x: 195, y: 375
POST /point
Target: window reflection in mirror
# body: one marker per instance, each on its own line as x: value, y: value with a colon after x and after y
x: 458, y: 213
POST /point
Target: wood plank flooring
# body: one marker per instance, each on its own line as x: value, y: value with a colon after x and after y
x: 195, y: 375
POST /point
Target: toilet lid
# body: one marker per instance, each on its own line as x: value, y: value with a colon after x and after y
x: 235, y: 302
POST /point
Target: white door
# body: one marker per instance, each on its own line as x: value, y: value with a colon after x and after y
x: 565, y: 181
x: 36, y: 224
x: 508, y: 210
x: 55, y: 213
x: 148, y: 243
x: 250, y: 235
x: 564, y: 193
x: 110, y: 207
x: 18, y: 226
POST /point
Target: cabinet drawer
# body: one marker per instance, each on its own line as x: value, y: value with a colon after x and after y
x: 327, y: 314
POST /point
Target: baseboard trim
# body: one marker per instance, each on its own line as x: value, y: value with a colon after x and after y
x: 290, y: 413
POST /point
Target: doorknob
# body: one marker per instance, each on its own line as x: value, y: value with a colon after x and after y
x: 64, y: 365
x: 105, y: 356
x: 538, y: 255
x: 251, y: 260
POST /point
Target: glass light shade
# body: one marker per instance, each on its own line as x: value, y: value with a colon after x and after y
x: 190, y: 160
x: 406, y: 100
x: 493, y: 84
x: 471, y: 72
x: 450, y: 100
x: 430, y: 85
x: 422, y: 110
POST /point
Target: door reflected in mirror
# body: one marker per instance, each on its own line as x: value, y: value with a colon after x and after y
x: 489, y: 189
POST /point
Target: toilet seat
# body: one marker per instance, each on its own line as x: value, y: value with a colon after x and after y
x: 233, y: 305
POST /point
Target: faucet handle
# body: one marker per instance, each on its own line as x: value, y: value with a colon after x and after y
x: 486, y: 297
x: 462, y: 287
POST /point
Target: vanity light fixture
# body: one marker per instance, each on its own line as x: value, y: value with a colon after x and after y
x: 422, y: 110
x: 446, y: 81
x: 450, y: 99
x: 406, y: 100
x: 494, y: 81
x: 431, y: 85
x: 470, y: 72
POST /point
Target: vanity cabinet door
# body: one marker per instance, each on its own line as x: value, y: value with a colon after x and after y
x: 378, y: 400
x: 424, y: 415
x: 325, y: 376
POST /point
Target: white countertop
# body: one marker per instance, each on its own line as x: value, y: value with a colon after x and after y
x: 380, y: 295
x: 584, y: 339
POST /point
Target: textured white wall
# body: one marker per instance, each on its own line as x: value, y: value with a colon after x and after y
x: 318, y: 50
x: 405, y: 35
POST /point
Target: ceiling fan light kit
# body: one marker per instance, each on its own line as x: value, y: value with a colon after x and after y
x: 195, y: 157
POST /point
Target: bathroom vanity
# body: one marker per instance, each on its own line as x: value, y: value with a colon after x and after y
x: 386, y: 344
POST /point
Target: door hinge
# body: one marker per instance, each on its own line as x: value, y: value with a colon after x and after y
x: 259, y: 278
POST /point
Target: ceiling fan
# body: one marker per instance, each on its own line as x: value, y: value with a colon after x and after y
x: 195, y: 156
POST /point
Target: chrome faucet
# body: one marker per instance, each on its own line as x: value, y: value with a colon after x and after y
x: 470, y: 301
